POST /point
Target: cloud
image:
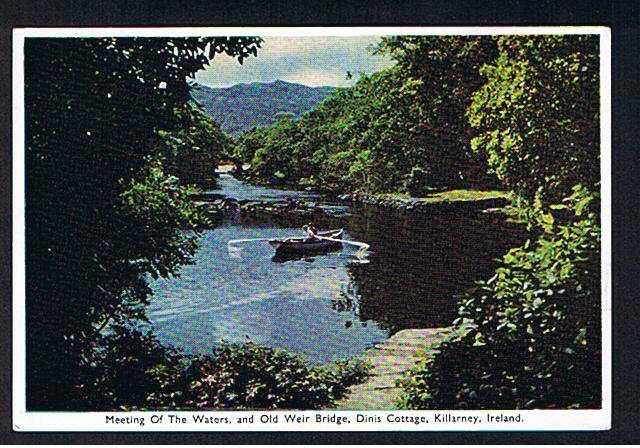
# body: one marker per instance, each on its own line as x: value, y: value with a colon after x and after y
x: 314, y: 61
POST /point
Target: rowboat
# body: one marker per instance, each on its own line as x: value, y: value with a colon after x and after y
x: 296, y: 248
x: 309, y: 243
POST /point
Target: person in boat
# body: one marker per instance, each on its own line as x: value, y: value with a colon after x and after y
x: 310, y: 230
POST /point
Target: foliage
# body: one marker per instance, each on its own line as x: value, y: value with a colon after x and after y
x: 110, y: 126
x: 345, y: 144
x: 95, y: 109
x: 535, y: 341
x: 123, y: 368
x: 193, y: 151
x: 537, y: 323
x: 251, y: 376
x: 372, y: 137
x: 417, y: 182
x: 447, y: 69
x: 270, y: 155
x: 130, y: 369
x: 537, y: 116
x: 157, y: 213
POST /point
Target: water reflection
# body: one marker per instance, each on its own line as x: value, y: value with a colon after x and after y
x: 327, y: 305
x: 421, y: 264
x: 246, y: 295
x: 308, y: 256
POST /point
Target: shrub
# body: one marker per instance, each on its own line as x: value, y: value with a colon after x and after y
x: 123, y: 369
x: 252, y: 376
x: 536, y: 337
x: 130, y: 369
x: 343, y: 374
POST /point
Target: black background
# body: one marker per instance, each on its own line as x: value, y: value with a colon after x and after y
x: 624, y: 20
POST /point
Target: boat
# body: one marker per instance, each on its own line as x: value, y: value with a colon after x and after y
x: 308, y: 244
x: 303, y: 247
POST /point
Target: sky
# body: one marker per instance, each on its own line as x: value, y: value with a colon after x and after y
x: 314, y: 61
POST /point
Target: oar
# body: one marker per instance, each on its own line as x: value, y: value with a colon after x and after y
x: 246, y: 240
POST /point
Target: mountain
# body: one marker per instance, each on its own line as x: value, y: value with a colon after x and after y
x: 243, y: 106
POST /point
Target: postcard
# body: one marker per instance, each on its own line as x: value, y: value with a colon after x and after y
x: 312, y: 229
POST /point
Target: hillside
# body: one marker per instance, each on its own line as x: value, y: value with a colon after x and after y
x: 243, y: 106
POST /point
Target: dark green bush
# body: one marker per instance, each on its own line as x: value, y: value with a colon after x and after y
x: 343, y: 374
x: 123, y: 369
x: 536, y: 338
x: 251, y: 376
x: 130, y: 369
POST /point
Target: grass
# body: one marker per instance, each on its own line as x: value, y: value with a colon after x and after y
x: 451, y: 196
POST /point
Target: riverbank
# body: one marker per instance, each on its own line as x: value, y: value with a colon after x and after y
x: 315, y: 204
x: 483, y: 199
x: 489, y: 199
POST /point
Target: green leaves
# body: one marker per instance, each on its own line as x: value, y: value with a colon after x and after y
x: 192, y: 151
x: 239, y: 47
x: 251, y: 376
x: 531, y: 318
x: 530, y: 323
x: 372, y: 136
x: 530, y: 114
x: 163, y: 219
x: 100, y: 211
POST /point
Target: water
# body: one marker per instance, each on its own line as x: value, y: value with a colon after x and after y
x: 331, y: 306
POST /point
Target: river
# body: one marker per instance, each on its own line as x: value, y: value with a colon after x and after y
x: 331, y: 306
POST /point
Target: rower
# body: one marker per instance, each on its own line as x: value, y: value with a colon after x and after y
x: 310, y: 230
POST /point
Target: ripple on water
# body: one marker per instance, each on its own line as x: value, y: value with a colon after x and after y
x: 286, y: 305
x: 328, y: 307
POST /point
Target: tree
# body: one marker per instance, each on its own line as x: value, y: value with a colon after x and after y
x: 95, y: 109
x: 537, y: 117
x: 535, y: 325
x: 447, y: 73
x: 403, y: 129
x: 359, y: 139
x: 192, y: 153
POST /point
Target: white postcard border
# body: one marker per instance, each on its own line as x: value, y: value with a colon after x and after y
x: 530, y: 420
